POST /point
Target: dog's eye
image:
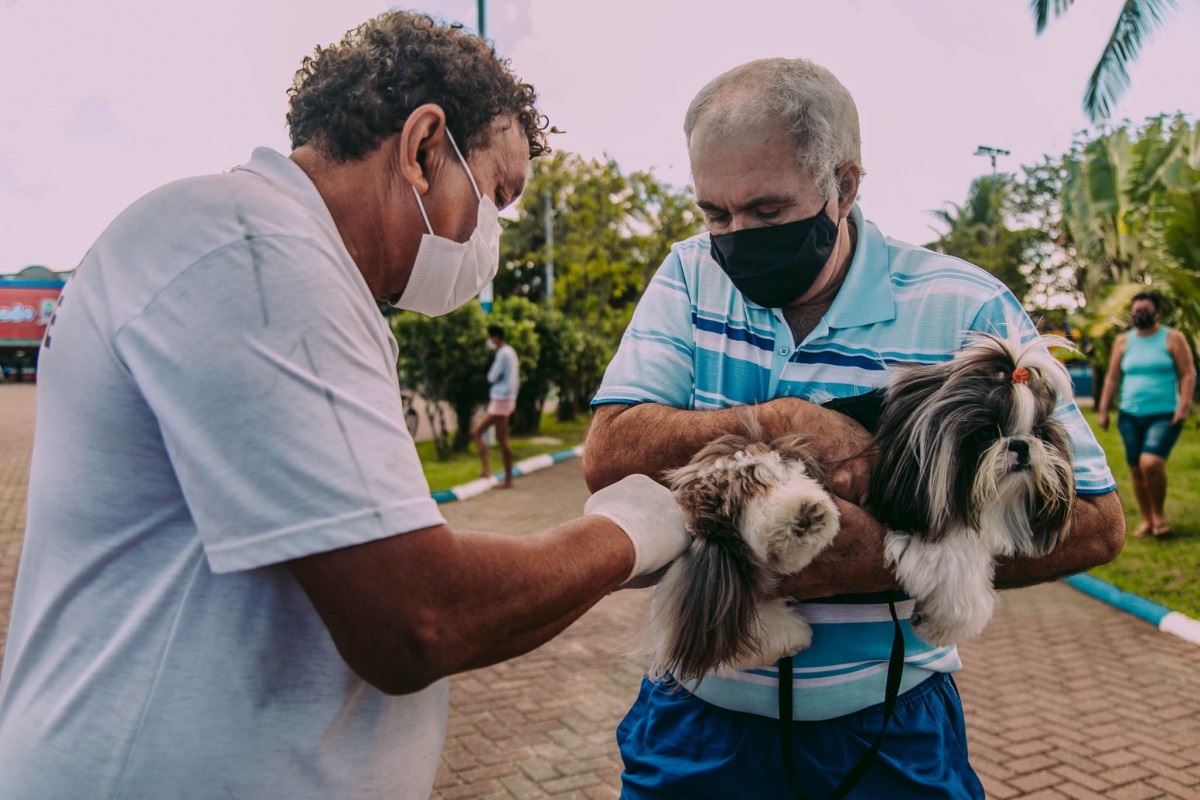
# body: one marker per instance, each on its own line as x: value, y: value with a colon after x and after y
x: 984, y: 436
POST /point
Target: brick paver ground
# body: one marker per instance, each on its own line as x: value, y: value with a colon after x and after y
x: 16, y: 442
x: 1065, y: 697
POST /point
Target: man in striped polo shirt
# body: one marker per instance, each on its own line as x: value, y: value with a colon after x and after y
x: 791, y: 299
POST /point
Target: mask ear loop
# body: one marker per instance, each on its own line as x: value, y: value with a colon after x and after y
x: 466, y: 169
x: 421, y: 208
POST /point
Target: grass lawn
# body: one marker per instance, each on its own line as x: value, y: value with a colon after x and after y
x: 463, y: 468
x: 1166, y: 571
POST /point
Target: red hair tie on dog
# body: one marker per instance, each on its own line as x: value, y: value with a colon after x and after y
x: 1020, y: 375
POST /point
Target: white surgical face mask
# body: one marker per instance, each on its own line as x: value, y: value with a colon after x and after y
x: 446, y: 273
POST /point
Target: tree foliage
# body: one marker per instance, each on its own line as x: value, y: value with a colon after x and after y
x: 610, y: 232
x: 1087, y: 229
x: 1136, y: 21
x: 1128, y: 219
x: 979, y: 231
x: 444, y: 360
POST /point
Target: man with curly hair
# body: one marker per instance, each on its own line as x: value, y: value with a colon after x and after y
x: 234, y: 580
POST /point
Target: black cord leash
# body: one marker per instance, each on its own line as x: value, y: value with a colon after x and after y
x: 859, y: 770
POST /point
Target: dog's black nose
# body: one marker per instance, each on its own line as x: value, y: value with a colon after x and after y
x: 1020, y: 448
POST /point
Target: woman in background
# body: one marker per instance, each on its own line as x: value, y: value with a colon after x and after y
x: 1153, y: 367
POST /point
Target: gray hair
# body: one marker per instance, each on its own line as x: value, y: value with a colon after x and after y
x: 804, y: 97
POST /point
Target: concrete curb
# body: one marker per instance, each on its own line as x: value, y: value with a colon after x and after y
x: 528, y: 465
x: 1157, y: 615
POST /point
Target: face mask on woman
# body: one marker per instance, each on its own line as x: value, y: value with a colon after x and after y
x: 1143, y: 320
x: 446, y: 273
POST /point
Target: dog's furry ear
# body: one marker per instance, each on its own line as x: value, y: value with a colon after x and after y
x: 898, y: 496
x: 705, y: 611
x: 1053, y: 502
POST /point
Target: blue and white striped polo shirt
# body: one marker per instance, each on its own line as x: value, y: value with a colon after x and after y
x: 695, y: 342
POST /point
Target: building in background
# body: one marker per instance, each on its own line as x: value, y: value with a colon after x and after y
x: 27, y: 302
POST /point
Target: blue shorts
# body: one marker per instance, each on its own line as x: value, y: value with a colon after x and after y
x: 1153, y: 434
x: 677, y: 746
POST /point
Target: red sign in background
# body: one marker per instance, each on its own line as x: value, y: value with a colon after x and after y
x: 25, y: 311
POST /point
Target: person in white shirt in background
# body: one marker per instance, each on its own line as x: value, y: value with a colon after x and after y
x: 504, y: 381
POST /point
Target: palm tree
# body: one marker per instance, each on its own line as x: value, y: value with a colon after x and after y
x: 1110, y: 78
x: 1131, y: 219
x: 977, y: 231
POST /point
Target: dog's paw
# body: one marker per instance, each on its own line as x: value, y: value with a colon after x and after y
x: 791, y: 524
x: 942, y: 622
x: 894, y: 546
x: 951, y: 582
x: 816, y: 518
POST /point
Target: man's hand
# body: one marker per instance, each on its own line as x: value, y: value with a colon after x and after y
x: 648, y: 514
x: 838, y: 442
x: 1181, y: 414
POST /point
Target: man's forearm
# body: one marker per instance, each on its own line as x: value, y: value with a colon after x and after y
x: 650, y: 438
x: 1096, y: 536
x: 855, y: 563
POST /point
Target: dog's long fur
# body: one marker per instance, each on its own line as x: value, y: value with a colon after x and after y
x: 756, y: 511
x: 970, y: 466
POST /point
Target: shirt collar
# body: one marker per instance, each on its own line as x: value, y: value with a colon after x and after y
x: 287, y: 176
x: 865, y: 296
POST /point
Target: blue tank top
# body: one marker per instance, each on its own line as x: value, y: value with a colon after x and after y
x: 1148, y: 383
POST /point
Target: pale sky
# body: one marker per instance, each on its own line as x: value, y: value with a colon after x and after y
x: 100, y: 102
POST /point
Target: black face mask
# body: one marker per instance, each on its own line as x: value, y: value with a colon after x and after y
x: 1143, y: 320
x: 775, y: 264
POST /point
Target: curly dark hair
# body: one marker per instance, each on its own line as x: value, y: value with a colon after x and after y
x: 348, y: 97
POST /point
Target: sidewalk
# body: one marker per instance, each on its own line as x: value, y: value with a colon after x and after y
x: 1065, y: 696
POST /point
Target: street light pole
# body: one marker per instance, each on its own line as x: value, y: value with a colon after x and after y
x: 982, y: 150
x: 549, y: 247
x: 486, y: 293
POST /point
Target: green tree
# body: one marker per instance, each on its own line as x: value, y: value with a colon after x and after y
x: 444, y: 359
x: 1165, y: 188
x: 1126, y: 217
x: 1110, y: 77
x: 1037, y: 203
x: 610, y: 233
x: 978, y: 231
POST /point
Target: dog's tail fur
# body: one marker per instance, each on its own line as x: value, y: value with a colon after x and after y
x: 705, y: 609
x: 705, y: 613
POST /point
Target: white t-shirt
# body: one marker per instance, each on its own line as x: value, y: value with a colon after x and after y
x: 217, y: 395
x: 503, y: 375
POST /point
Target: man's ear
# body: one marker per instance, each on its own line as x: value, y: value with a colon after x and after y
x: 425, y: 127
x: 849, y: 178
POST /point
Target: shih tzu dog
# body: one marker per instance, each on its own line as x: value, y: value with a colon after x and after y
x: 757, y: 511
x: 970, y: 466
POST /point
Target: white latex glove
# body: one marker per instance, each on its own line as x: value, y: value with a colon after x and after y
x: 650, y: 517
